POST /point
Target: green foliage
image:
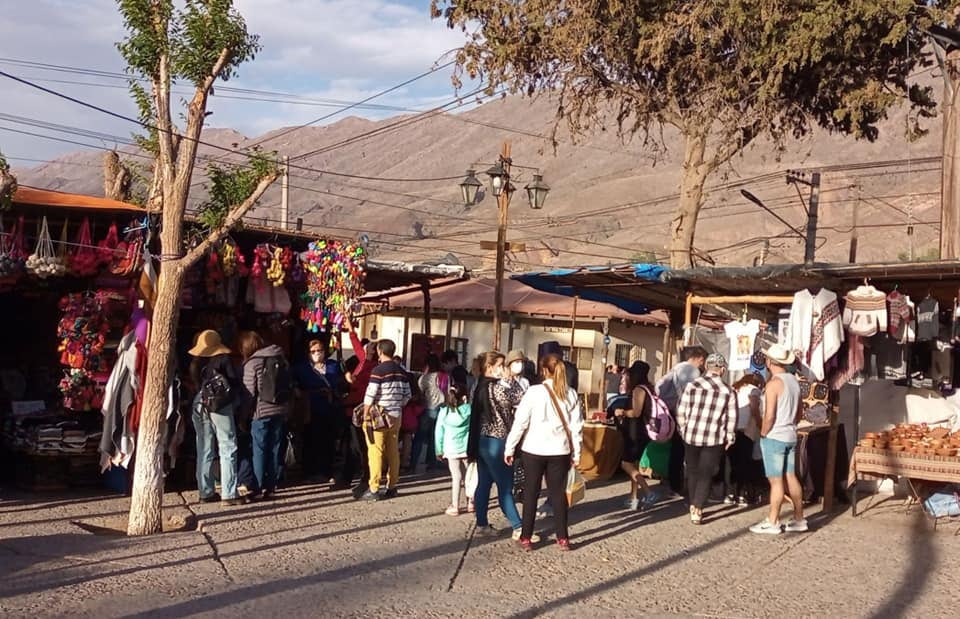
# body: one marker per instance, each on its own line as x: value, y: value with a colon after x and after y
x: 644, y: 257
x: 229, y: 186
x: 8, y: 184
x: 930, y: 255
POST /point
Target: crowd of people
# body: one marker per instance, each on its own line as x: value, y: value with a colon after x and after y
x: 508, y: 422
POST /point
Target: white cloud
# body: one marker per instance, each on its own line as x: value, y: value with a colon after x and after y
x: 334, y: 49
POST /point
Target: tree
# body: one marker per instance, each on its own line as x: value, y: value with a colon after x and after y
x: 200, y: 43
x: 722, y: 73
x: 8, y: 184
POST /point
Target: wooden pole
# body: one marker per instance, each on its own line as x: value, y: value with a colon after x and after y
x: 829, y: 478
x: 425, y: 287
x: 605, y: 363
x: 503, y: 201
x: 573, y: 331
x: 449, y: 334
x: 509, y: 332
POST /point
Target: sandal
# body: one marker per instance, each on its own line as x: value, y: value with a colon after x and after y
x: 453, y: 510
x: 470, y: 508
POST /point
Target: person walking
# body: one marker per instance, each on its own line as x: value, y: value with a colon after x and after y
x: 548, y: 430
x: 778, y: 442
x: 268, y: 384
x: 707, y: 418
x: 434, y: 384
x: 490, y: 422
x: 213, y: 417
x: 389, y: 389
x: 451, y: 437
x: 669, y: 389
x: 632, y: 424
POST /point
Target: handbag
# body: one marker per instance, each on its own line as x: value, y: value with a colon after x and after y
x: 576, y: 486
x: 471, y: 480
x: 378, y: 419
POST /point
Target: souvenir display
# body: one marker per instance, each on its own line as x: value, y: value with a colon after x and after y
x: 232, y: 261
x: 107, y: 248
x: 272, y: 262
x: 80, y: 391
x: 44, y: 261
x: 84, y: 261
x: 82, y: 332
x: 915, y: 439
x: 12, y: 255
x: 335, y: 276
x: 127, y: 256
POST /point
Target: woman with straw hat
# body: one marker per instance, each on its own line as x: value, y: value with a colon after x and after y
x: 213, y: 417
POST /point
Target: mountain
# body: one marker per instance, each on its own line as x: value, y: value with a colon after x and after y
x: 610, y: 201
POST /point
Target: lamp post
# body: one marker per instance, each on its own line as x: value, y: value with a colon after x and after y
x: 502, y: 188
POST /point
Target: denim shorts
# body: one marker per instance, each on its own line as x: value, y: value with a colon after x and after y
x: 779, y: 458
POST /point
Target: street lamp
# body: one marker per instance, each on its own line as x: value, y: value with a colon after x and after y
x: 469, y: 187
x: 537, y: 192
x: 502, y: 188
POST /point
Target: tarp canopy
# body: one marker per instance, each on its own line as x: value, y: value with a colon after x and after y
x: 477, y: 295
x: 634, y: 288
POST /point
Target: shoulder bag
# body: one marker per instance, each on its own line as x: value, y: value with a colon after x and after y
x: 378, y: 419
x: 576, y: 486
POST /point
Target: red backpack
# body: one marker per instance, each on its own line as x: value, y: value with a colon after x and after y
x: 661, y: 426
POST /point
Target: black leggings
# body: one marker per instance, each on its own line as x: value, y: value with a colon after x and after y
x: 702, y: 464
x: 556, y: 469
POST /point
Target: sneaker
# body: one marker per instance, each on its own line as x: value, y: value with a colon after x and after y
x: 232, y: 502
x: 563, y: 543
x: 516, y: 536
x: 391, y: 493
x: 649, y: 498
x: 729, y: 500
x: 525, y: 544
x: 696, y: 518
x: 742, y: 501
x: 487, y: 531
x: 632, y: 504
x: 767, y: 528
x: 797, y: 526
x: 370, y: 496
x: 213, y: 498
x: 453, y: 510
x: 358, y: 490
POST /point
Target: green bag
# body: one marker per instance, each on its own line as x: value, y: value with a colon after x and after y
x: 656, y: 457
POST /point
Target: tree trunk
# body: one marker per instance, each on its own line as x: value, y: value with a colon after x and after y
x: 950, y: 180
x: 684, y: 225
x: 145, y: 505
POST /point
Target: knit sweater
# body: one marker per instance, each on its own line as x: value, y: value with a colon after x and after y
x: 865, y: 311
x: 816, y: 330
x: 898, y: 314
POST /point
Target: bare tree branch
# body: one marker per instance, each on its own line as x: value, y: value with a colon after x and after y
x: 236, y: 214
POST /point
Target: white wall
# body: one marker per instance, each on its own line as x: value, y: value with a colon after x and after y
x: 478, y: 330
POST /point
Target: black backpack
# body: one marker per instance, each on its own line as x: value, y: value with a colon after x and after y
x: 276, y: 383
x: 216, y: 391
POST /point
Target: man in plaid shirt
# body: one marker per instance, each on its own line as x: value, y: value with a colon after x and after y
x: 707, y: 418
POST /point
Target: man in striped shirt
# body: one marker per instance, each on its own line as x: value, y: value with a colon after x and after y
x: 707, y: 418
x: 389, y: 388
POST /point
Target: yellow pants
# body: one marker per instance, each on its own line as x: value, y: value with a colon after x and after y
x: 384, y: 445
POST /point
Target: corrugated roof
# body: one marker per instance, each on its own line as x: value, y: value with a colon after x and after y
x: 477, y: 295
x: 45, y: 197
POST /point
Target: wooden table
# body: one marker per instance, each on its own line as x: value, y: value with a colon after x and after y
x: 870, y: 463
x: 600, y: 451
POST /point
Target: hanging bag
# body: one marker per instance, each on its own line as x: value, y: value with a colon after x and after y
x: 43, y: 262
x: 471, y: 480
x: 576, y: 486
x: 108, y: 246
x: 84, y: 261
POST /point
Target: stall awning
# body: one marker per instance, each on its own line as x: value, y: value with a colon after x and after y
x: 31, y: 196
x: 635, y: 288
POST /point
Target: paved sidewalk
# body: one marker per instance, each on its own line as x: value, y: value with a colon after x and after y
x: 321, y: 554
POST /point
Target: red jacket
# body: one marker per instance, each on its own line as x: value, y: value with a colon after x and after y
x: 361, y: 376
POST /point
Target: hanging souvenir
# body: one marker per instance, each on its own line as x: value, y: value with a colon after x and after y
x: 12, y: 254
x: 272, y: 262
x: 43, y: 262
x: 84, y: 260
x: 335, y: 275
x: 82, y: 332
x: 231, y: 260
x: 80, y: 390
x: 129, y: 253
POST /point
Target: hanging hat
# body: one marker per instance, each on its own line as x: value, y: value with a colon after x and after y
x: 209, y: 345
x: 779, y: 354
x: 515, y: 355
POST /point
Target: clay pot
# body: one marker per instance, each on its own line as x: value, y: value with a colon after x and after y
x: 898, y: 448
x: 947, y: 452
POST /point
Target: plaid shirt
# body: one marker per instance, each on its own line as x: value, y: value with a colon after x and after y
x: 707, y: 414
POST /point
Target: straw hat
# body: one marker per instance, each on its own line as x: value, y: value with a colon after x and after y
x: 209, y: 344
x: 515, y: 355
x: 779, y: 354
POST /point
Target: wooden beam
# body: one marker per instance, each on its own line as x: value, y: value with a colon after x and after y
x: 508, y: 246
x: 748, y: 298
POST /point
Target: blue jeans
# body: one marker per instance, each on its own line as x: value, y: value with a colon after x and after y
x: 425, y: 438
x: 778, y: 457
x: 268, y: 434
x: 216, y: 430
x: 491, y: 469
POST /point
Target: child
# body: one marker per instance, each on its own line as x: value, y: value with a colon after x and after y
x: 409, y: 422
x: 453, y: 428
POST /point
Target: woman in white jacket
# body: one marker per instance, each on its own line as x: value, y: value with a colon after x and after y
x: 548, y: 428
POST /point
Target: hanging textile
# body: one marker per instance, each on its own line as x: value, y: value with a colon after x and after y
x: 865, y: 311
x: 815, y: 328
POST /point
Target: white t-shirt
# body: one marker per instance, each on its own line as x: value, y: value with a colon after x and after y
x: 742, y: 338
x: 744, y: 394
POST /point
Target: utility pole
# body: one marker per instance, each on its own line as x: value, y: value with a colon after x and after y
x: 854, y: 232
x: 813, y: 207
x: 285, y: 193
x: 503, y: 204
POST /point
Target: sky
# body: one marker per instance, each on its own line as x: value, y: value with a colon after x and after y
x: 321, y: 50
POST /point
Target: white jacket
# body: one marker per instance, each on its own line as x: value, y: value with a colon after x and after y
x: 537, y: 416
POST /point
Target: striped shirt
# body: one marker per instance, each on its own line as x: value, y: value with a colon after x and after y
x: 707, y: 414
x: 389, y: 388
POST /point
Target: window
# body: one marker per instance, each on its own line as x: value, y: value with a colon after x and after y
x: 459, y: 346
x: 621, y: 355
x: 584, y: 359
